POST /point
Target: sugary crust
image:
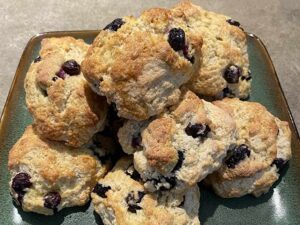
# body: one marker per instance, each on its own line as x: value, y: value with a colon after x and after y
x: 136, y: 68
x: 155, y: 209
x: 223, y: 45
x: 53, y: 167
x: 165, y: 137
x: 268, y: 139
x: 65, y: 109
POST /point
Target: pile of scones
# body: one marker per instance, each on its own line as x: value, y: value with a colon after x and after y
x: 134, y: 121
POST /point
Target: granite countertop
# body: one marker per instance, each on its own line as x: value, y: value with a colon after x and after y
x: 276, y: 22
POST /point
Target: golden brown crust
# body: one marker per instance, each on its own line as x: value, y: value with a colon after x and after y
x: 158, y: 144
x: 267, y: 139
x: 53, y: 167
x: 257, y: 129
x: 136, y: 68
x: 171, y: 150
x: 63, y: 109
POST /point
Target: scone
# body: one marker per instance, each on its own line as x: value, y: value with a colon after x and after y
x: 129, y: 135
x: 224, y: 65
x: 120, y: 199
x: 63, y: 106
x: 140, y: 64
x: 183, y: 147
x: 48, y: 176
x: 262, y: 148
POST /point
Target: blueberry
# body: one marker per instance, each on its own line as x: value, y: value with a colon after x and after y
x: 132, y: 200
x: 133, y: 173
x: 227, y: 92
x: 248, y: 78
x: 232, y: 74
x: 37, y: 59
x: 233, y: 22
x: 237, y: 154
x: 197, y: 130
x: 186, y: 54
x: 101, y: 190
x: 136, y: 141
x: 115, y: 24
x: 71, y: 67
x: 176, y: 39
x: 52, y: 200
x: 179, y: 162
x: 20, y: 197
x: 20, y: 182
x: 279, y: 162
x: 54, y: 78
x: 163, y: 183
x: 61, y: 73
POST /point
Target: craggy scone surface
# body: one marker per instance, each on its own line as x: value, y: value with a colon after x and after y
x: 135, y: 67
x: 63, y: 106
x: 183, y: 147
x: 120, y: 198
x: 48, y: 176
x: 262, y: 147
x: 224, y: 65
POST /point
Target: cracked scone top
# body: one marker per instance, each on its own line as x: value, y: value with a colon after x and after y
x: 63, y: 106
x: 183, y: 147
x: 261, y: 149
x: 224, y: 65
x: 48, y: 176
x: 139, y: 64
x: 120, y: 199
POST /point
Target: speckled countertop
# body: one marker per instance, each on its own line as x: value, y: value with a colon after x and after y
x: 276, y: 22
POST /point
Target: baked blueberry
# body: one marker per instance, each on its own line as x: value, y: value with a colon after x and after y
x: 237, y: 154
x: 52, y: 200
x: 179, y: 162
x: 133, y: 173
x: 54, y: 78
x: 279, y: 162
x: 132, y: 200
x: 115, y: 24
x: 232, y: 74
x: 227, y: 92
x: 71, y: 67
x: 197, y: 130
x: 233, y: 22
x: 163, y: 183
x: 20, y: 182
x: 136, y: 141
x: 176, y: 39
x: 186, y: 54
x: 101, y: 190
x: 61, y: 73
x: 37, y: 59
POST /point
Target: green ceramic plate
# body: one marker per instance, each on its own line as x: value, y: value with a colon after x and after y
x: 280, y: 206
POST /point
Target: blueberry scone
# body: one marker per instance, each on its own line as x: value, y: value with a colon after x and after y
x: 121, y: 199
x: 48, y: 176
x: 140, y: 64
x: 224, y: 65
x: 261, y: 149
x: 183, y: 147
x: 63, y: 106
